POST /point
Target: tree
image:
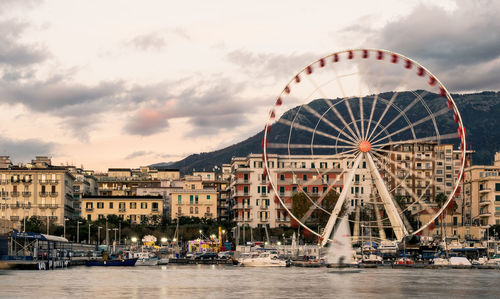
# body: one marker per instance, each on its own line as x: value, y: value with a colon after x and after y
x: 300, y: 204
x: 440, y: 199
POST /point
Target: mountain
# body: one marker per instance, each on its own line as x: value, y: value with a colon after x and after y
x: 480, y: 113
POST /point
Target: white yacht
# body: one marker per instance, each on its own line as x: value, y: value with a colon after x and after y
x: 264, y: 259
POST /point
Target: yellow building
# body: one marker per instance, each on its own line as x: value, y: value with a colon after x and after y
x: 194, y: 200
x: 131, y: 208
x: 35, y: 189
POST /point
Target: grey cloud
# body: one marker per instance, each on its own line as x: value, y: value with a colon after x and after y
x: 24, y: 150
x: 53, y: 96
x: 148, y: 41
x: 15, y: 53
x: 208, y: 106
x: 278, y: 66
x: 461, y: 47
x: 138, y: 154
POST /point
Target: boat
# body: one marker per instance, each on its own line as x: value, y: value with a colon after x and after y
x: 111, y: 263
x: 404, y: 261
x: 263, y: 259
x: 144, y: 258
x: 340, y: 253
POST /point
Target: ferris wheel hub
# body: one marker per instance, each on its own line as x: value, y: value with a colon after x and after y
x: 365, y: 146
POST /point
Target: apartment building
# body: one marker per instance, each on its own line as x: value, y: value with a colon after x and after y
x: 253, y: 203
x: 194, y: 199
x: 35, y: 189
x: 85, y: 184
x: 482, y: 193
x: 135, y: 209
x: 164, y: 189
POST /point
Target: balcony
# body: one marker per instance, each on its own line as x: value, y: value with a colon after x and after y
x: 42, y: 206
x: 53, y: 206
x: 26, y: 194
x: 43, y: 194
x: 53, y: 182
x: 53, y: 194
x: 484, y: 203
x: 485, y: 190
x: 14, y: 218
x: 14, y: 194
x: 26, y: 205
x: 264, y: 220
x: 264, y: 207
x: 241, y: 193
x: 14, y: 182
x: 4, y: 182
x: 282, y: 220
x: 53, y: 218
x: 4, y: 193
x: 242, y: 181
x: 43, y: 182
x: 27, y: 181
x: 241, y: 206
x: 484, y: 214
x: 15, y: 206
x: 209, y: 215
x: 121, y: 209
x: 154, y: 209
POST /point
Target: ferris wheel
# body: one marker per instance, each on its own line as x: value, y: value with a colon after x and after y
x: 369, y: 120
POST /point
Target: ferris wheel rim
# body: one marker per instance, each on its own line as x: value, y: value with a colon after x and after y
x: 448, y: 97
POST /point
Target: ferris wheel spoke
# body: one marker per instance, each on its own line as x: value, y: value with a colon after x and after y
x: 412, y: 125
x: 286, y: 145
x: 328, y: 122
x: 418, y: 140
x: 311, y: 209
x: 388, y: 105
x: 341, y: 118
x: 362, y: 116
x: 403, y: 112
x: 349, y: 110
x: 401, y: 184
x: 307, y: 129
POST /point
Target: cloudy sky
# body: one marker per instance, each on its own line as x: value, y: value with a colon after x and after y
x: 129, y: 83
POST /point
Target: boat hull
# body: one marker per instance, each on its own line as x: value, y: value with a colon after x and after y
x: 112, y: 263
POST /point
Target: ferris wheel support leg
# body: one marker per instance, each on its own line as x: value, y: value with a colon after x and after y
x: 392, y: 213
x: 340, y: 202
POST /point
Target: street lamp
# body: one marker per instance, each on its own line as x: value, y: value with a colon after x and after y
x: 88, y: 241
x: 163, y: 240
x: 64, y: 227
x: 99, y: 235
x: 78, y: 231
x: 134, y: 240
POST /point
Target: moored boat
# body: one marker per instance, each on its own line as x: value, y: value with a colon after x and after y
x: 111, y: 263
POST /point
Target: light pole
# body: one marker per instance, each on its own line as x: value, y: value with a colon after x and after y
x: 115, y: 229
x: 64, y: 227
x: 99, y: 235
x: 88, y: 240
x: 78, y: 231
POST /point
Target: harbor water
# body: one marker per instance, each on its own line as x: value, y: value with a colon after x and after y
x: 217, y: 281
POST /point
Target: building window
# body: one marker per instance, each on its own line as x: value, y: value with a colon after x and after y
x: 155, y: 206
x: 497, y: 198
x: 196, y: 199
x: 208, y: 197
x: 208, y: 209
x: 100, y: 216
x: 282, y: 177
x: 179, y: 199
x: 304, y: 177
x: 191, y: 199
x: 110, y: 205
x: 497, y: 187
x: 282, y: 190
x: 133, y: 205
x: 144, y: 205
x: 191, y: 210
x: 196, y: 210
x: 100, y: 205
x: 89, y: 217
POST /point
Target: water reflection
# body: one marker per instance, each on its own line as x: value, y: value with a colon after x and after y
x: 233, y: 282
